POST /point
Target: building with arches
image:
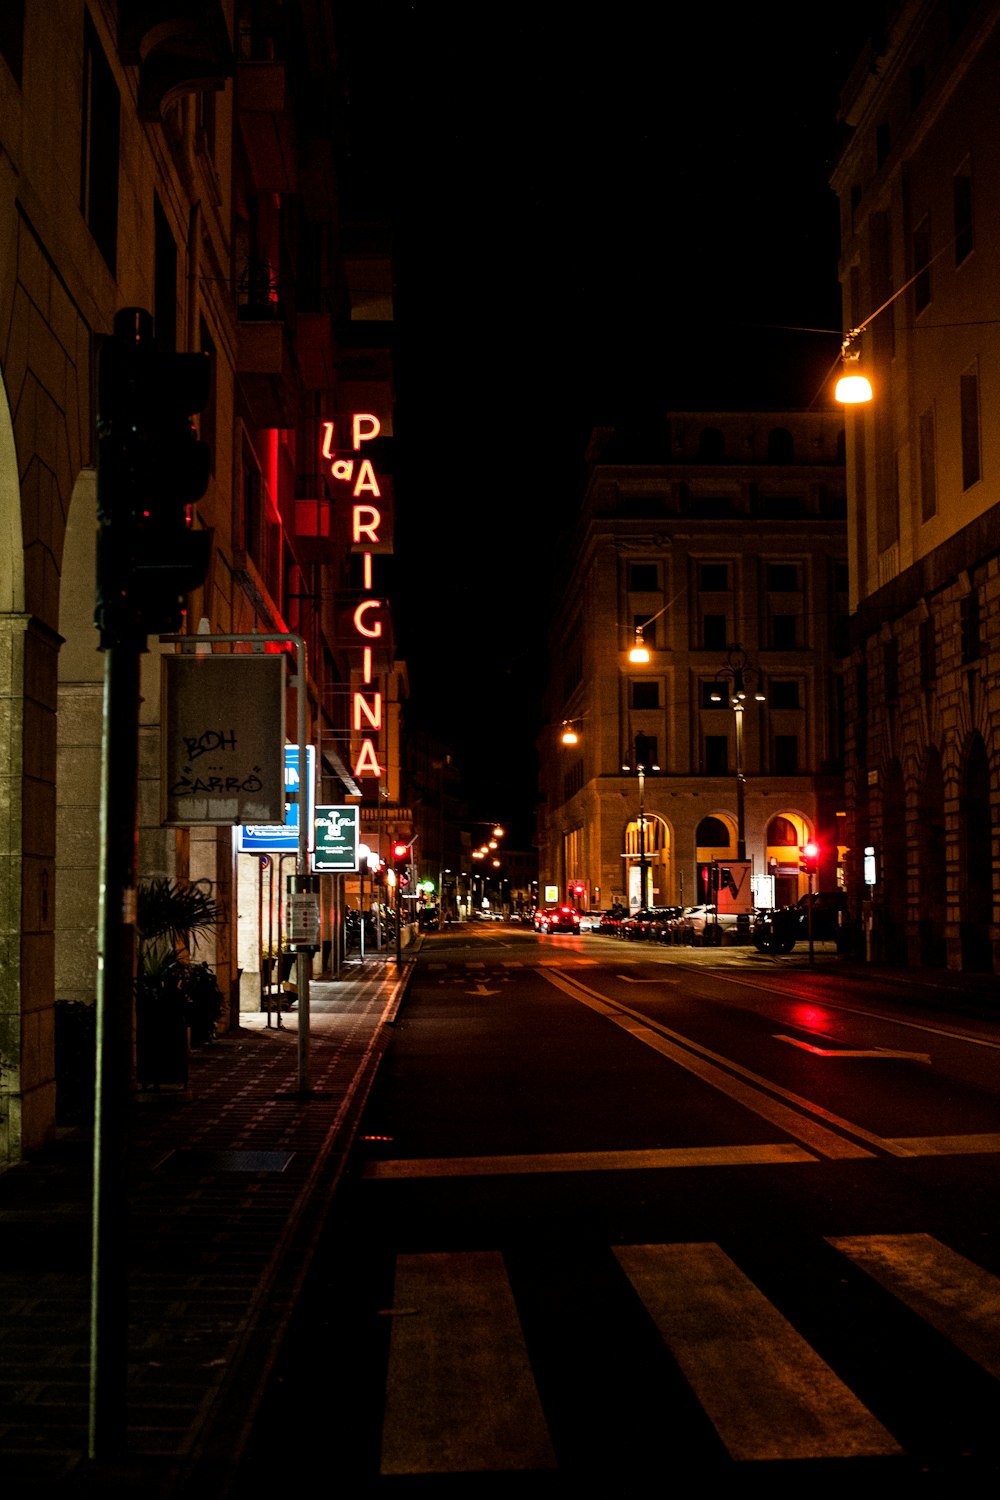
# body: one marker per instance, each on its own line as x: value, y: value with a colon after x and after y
x: 168, y: 156
x: 724, y: 530
x: 919, y: 187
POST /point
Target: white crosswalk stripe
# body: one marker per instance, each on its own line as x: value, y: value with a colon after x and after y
x: 461, y: 1396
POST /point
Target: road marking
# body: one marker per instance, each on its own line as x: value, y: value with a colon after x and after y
x: 882, y: 1052
x: 950, y: 1145
x: 652, y: 1159
x: 460, y: 1393
x: 953, y: 1295
x: 481, y: 990
x: 695, y: 1059
x: 629, y: 979
x: 767, y: 1392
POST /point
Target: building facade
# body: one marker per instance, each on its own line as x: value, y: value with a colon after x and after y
x: 724, y: 546
x: 186, y: 160
x: 918, y: 182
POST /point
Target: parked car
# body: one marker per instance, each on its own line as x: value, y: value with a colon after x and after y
x: 610, y: 921
x: 647, y: 924
x: 702, y: 924
x: 557, y: 919
x: 778, y: 930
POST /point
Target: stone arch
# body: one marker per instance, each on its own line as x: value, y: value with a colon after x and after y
x: 786, y: 833
x: 895, y: 889
x: 658, y: 845
x: 976, y: 879
x: 931, y: 860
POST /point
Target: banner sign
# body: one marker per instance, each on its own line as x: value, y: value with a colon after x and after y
x: 221, y: 740
x: 283, y: 838
x: 336, y: 839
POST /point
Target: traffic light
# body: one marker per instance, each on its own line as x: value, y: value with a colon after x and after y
x: 401, y: 862
x: 151, y: 467
x: 809, y: 857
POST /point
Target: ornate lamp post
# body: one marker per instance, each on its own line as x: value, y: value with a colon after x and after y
x: 742, y: 676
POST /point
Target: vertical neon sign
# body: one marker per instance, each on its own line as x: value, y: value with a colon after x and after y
x: 358, y: 472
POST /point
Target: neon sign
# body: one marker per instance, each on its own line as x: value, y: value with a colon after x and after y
x: 357, y: 471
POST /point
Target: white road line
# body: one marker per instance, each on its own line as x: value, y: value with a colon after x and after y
x: 882, y: 1052
x: 654, y: 1158
x: 767, y: 1392
x: 950, y: 1145
x: 460, y: 1393
x: 953, y: 1295
x: 695, y: 1059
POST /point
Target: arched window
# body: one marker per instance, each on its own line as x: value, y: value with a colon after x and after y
x: 782, y: 831
x: 711, y: 445
x: 780, y: 446
x: 712, y: 834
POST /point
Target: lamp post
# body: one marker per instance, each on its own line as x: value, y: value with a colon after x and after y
x: 742, y: 675
x: 641, y: 773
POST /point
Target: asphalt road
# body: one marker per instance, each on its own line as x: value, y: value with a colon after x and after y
x: 623, y: 1217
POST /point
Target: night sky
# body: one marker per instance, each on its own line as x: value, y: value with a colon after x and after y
x: 600, y: 216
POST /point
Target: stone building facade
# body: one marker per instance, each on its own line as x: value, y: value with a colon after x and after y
x: 919, y: 187
x: 724, y: 543
x: 183, y: 159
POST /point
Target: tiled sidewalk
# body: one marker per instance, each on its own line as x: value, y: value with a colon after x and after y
x: 228, y: 1188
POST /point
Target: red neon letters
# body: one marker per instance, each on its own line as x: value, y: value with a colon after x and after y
x: 366, y: 518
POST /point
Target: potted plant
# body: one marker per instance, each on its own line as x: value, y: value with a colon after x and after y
x: 173, y: 995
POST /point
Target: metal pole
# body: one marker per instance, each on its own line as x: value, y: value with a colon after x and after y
x: 113, y: 1078
x: 642, y: 838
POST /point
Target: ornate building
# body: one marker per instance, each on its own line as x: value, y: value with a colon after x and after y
x: 919, y: 187
x: 724, y: 547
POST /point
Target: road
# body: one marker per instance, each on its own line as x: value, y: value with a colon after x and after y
x: 625, y: 1216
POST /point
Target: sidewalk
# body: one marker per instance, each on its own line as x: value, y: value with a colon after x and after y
x: 228, y: 1189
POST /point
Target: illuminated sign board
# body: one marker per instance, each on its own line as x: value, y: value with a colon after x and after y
x: 355, y: 469
x: 336, y: 839
x: 279, y: 838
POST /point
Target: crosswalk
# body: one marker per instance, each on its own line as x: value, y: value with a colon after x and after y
x: 461, y: 1389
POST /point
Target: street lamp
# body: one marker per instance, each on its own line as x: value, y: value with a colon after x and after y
x: 742, y: 676
x: 641, y: 772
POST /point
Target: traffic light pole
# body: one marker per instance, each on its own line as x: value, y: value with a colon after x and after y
x: 113, y: 1077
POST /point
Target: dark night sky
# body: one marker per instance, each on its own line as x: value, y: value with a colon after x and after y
x: 600, y: 217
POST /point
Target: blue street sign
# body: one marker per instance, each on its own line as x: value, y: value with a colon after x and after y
x: 278, y: 838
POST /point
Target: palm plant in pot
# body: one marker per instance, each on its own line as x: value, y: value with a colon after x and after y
x: 173, y: 994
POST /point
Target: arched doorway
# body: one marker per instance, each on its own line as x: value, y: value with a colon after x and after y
x: 715, y: 838
x: 648, y: 847
x: 895, y: 896
x: 931, y: 861
x: 976, y: 860
x: 786, y: 833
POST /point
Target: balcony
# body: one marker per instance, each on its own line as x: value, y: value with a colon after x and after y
x: 179, y: 47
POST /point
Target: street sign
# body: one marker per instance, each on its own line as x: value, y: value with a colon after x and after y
x: 336, y: 839
x: 283, y: 838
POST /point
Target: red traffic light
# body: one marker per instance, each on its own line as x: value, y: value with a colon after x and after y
x: 809, y: 856
x: 400, y: 854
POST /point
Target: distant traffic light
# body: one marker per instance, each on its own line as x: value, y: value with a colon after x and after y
x: 809, y: 857
x: 401, y: 861
x: 151, y: 467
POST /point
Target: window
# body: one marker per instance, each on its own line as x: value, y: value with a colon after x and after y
x: 711, y: 445
x: 713, y: 632
x: 716, y: 755
x: 783, y: 693
x: 99, y: 147
x: 784, y: 632
x: 928, y: 654
x: 645, y: 695
x: 646, y: 752
x: 928, y: 465
x: 782, y: 578
x: 962, y: 204
x: 883, y: 142
x: 713, y: 578
x: 12, y: 36
x: 890, y: 671
x: 970, y: 629
x: 969, y: 405
x: 922, y: 265
x: 643, y: 578
x: 786, y: 754
x: 780, y: 446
